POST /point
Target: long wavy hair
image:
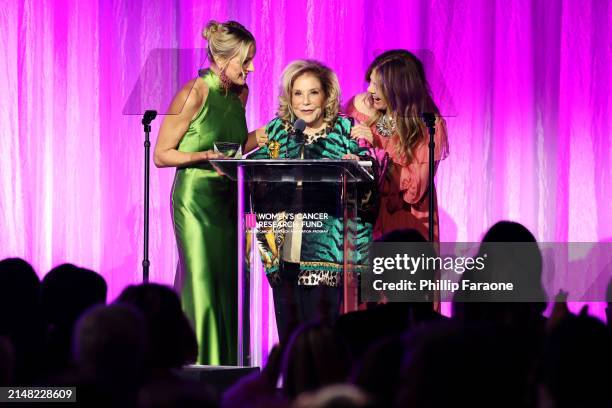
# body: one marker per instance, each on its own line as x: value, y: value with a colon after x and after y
x: 329, y: 83
x: 402, y: 81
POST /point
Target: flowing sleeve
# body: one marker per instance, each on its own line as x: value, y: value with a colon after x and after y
x: 414, y: 177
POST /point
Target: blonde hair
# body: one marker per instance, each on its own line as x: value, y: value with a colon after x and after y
x: 329, y: 83
x: 227, y: 40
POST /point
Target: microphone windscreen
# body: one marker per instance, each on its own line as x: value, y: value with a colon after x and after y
x: 299, y: 125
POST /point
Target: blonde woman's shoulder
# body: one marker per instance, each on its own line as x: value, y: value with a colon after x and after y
x: 191, y: 97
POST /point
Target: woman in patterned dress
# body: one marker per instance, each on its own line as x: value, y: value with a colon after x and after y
x: 304, y: 268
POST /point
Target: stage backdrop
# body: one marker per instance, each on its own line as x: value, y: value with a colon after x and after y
x: 529, y: 136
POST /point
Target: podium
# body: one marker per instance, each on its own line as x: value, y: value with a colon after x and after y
x: 298, y: 210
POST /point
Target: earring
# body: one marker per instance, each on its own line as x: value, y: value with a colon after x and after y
x: 226, y: 83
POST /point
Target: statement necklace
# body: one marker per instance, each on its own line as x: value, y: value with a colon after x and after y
x: 385, y: 126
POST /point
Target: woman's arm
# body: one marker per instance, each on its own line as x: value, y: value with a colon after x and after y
x: 190, y: 98
x: 256, y: 138
x: 359, y: 108
x: 360, y: 111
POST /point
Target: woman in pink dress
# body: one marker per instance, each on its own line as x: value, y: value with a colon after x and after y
x: 387, y: 117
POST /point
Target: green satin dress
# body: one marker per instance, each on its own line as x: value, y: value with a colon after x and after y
x: 204, y: 207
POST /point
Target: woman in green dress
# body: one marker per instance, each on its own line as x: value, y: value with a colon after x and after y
x: 203, y: 202
x: 304, y: 265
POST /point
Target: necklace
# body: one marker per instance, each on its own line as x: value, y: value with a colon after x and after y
x: 385, y: 125
x: 311, y: 138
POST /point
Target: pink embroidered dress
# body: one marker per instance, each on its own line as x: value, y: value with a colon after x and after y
x: 404, y: 195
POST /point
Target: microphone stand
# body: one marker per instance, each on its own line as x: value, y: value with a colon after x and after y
x: 147, y: 118
x: 430, y: 121
x: 300, y: 139
x: 298, y: 136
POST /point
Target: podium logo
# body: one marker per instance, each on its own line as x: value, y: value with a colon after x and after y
x: 285, y: 222
x: 250, y: 220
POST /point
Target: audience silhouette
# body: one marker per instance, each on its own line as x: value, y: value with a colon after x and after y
x: 491, y: 352
x: 172, y: 340
x: 20, y: 318
x: 67, y: 291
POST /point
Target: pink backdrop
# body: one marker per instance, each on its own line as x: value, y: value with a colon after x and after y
x: 530, y: 136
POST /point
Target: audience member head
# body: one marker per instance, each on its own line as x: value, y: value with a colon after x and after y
x: 471, y: 366
x: 393, y: 312
x: 67, y: 291
x: 20, y: 317
x: 416, y: 246
x: 315, y: 357
x: 517, y: 260
x: 110, y: 343
x: 19, y: 295
x: 334, y: 396
x: 379, y: 371
x: 508, y: 231
x: 171, y: 338
x: 511, y: 255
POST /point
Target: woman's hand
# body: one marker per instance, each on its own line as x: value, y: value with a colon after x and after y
x: 256, y: 138
x: 262, y: 138
x: 362, y: 131
x: 209, y: 155
x: 350, y: 156
x: 560, y: 310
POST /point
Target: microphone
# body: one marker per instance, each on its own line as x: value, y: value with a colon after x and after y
x: 299, y: 125
x: 298, y: 133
